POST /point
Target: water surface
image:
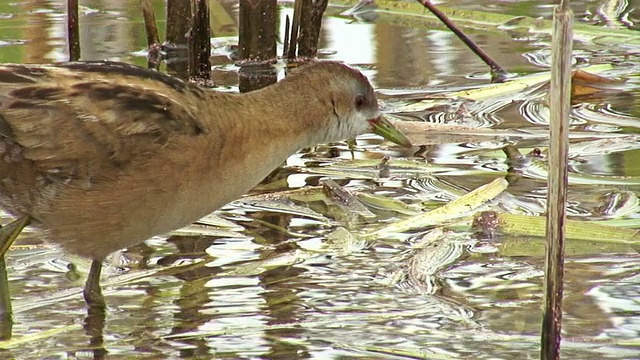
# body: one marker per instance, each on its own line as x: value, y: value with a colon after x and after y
x: 286, y: 279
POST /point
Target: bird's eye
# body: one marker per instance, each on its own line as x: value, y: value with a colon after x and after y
x: 360, y: 101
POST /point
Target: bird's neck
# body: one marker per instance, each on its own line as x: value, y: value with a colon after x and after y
x: 290, y: 114
x: 261, y: 129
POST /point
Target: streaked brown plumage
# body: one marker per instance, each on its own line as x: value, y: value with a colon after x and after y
x: 105, y: 155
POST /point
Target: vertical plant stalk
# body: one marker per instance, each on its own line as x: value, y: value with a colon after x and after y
x: 73, y: 30
x: 310, y: 23
x: 292, y: 48
x: 560, y: 106
x: 6, y: 312
x: 178, y: 15
x: 199, y: 40
x: 257, y: 30
x: 149, y: 23
x: 287, y: 29
x: 8, y: 235
x: 257, y: 40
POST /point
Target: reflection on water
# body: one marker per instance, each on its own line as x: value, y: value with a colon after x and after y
x: 287, y: 278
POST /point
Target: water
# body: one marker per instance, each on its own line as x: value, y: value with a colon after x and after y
x: 285, y: 281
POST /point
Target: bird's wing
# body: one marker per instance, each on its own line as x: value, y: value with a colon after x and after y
x: 79, y: 120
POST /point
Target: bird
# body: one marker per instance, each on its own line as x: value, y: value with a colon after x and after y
x: 103, y: 155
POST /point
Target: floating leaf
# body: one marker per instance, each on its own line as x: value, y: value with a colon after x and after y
x: 508, y: 88
x: 585, y: 83
x: 460, y: 207
x: 524, y: 225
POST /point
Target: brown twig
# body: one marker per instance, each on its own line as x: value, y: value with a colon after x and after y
x: 287, y: 28
x: 497, y: 72
x: 199, y: 41
x: 257, y: 30
x: 310, y: 23
x: 149, y: 23
x: 178, y: 18
x: 295, y: 27
x: 73, y: 30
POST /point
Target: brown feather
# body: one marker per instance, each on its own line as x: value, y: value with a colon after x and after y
x: 105, y: 155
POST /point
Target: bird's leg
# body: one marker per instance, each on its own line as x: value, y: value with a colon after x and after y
x: 352, y: 147
x: 96, y: 317
x: 92, y: 291
x: 8, y: 234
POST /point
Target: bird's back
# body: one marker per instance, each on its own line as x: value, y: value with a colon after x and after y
x: 84, y: 123
x: 93, y: 152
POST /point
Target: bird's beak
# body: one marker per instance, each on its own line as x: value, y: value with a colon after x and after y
x: 384, y: 128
